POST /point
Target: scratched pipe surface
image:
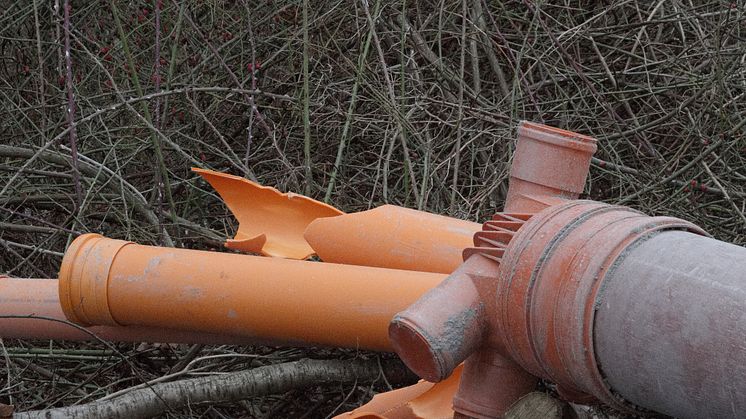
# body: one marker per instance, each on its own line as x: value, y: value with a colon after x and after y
x: 670, y: 330
x: 39, y: 298
x: 113, y: 282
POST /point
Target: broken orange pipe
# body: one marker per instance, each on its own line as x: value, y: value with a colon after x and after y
x: 119, y: 283
x: 30, y: 309
x: 293, y: 226
x: 423, y: 400
x: 270, y: 222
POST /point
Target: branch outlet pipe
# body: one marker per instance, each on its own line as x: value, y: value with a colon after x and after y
x: 119, y: 283
x: 25, y: 298
x: 294, y: 226
x: 550, y: 165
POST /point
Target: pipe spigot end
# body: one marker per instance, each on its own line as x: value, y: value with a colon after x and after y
x: 415, y: 349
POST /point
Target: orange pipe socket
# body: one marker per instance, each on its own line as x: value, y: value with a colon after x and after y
x: 550, y: 165
x: 119, y: 283
x: 32, y: 302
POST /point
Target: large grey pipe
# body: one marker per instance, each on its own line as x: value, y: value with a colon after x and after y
x: 670, y: 330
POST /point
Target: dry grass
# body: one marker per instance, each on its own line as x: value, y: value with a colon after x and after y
x: 411, y: 103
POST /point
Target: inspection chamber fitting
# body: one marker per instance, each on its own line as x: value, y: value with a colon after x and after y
x: 552, y: 300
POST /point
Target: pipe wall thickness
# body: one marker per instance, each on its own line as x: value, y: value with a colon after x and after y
x: 114, y: 282
x: 670, y: 326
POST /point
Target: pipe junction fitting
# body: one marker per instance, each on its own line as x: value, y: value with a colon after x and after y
x: 530, y: 303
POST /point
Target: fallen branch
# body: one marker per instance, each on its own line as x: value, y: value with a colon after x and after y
x: 271, y: 379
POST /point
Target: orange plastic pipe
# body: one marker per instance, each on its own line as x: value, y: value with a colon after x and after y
x: 392, y: 237
x: 119, y: 283
x: 31, y: 298
x: 294, y: 226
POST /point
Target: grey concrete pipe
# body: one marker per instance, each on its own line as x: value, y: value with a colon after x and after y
x: 670, y: 330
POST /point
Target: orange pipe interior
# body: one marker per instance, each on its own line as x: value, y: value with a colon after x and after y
x: 114, y: 282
